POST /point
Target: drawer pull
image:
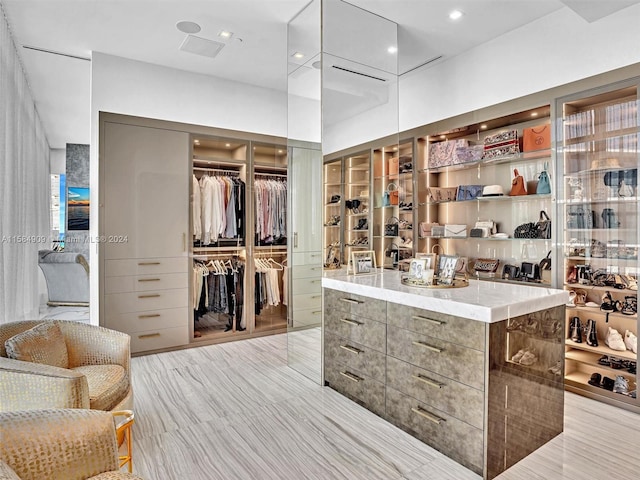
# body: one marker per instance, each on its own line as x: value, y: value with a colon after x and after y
x: 151, y: 315
x: 429, y: 416
x: 142, y: 264
x: 149, y: 335
x: 148, y: 279
x: 317, y: 312
x: 428, y: 381
x: 351, y: 322
x: 351, y: 300
x: 428, y: 347
x: 351, y: 349
x: 317, y: 296
x: 153, y: 295
x: 351, y: 376
x: 430, y: 320
x: 315, y: 281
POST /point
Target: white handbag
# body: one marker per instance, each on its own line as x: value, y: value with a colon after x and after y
x: 458, y: 231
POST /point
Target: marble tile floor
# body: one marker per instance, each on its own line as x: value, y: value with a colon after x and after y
x: 236, y: 411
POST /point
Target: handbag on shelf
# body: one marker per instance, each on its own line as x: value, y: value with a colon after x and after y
x: 425, y: 229
x: 444, y: 154
x: 393, y: 165
x: 442, y: 194
x: 544, y: 225
x: 437, y: 231
x: 392, y: 255
x: 545, y: 263
x: 455, y: 231
x: 526, y: 230
x: 625, y: 190
x: 485, y: 265
x: 468, y: 192
x: 544, y: 185
x: 517, y: 184
x: 391, y: 227
x: 393, y: 194
x: 501, y: 144
x: 536, y: 138
x: 613, y: 178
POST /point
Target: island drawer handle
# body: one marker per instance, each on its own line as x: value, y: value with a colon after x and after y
x: 148, y: 279
x: 428, y: 347
x: 429, y: 416
x: 317, y: 312
x: 316, y: 296
x: 351, y: 322
x: 151, y: 315
x: 154, y: 295
x: 430, y: 320
x: 351, y: 300
x: 351, y: 349
x: 428, y: 381
x: 351, y: 376
x: 142, y: 264
x: 149, y: 335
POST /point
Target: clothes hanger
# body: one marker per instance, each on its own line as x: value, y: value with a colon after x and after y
x: 278, y: 266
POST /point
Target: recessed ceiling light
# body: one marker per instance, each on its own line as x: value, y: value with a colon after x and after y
x: 395, y: 149
x: 227, y: 145
x: 279, y: 151
x: 196, y: 141
x: 483, y: 126
x: 443, y: 136
x: 392, y: 49
x: 534, y: 114
x: 455, y: 14
x: 188, y: 27
x: 298, y: 55
x: 225, y: 34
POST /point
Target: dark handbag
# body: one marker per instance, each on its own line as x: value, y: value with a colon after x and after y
x: 526, y: 230
x: 545, y: 263
x: 530, y: 271
x: 613, y: 178
x: 391, y: 227
x: 468, y: 192
x: 544, y: 225
x: 392, y: 252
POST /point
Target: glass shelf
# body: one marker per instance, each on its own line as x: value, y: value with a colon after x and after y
x: 526, y: 156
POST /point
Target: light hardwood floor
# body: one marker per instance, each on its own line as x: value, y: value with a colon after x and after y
x: 236, y: 411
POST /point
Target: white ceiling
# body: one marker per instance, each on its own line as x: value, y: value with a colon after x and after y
x: 145, y: 30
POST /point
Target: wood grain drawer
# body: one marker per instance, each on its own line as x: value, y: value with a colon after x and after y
x: 456, y: 399
x: 350, y: 303
x: 145, y: 283
x: 306, y: 317
x: 117, y: 303
x: 134, y: 322
x: 145, y: 266
x: 308, y: 285
x: 307, y: 258
x: 359, y: 329
x: 156, y: 339
x: 462, y: 331
x: 453, y: 361
x: 455, y: 438
x: 307, y: 301
x: 356, y: 356
x: 356, y: 386
x: 306, y: 271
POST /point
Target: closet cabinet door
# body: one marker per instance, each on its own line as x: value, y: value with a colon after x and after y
x: 146, y: 192
x: 305, y: 174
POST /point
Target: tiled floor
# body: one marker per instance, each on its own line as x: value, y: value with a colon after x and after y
x: 236, y: 411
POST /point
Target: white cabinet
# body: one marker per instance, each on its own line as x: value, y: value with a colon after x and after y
x: 144, y: 196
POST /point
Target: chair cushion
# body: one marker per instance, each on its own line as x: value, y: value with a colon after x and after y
x: 108, y: 384
x: 43, y: 343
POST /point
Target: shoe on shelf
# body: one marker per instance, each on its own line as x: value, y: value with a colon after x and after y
x: 572, y: 299
x: 528, y: 359
x: 631, y: 341
x: 595, y: 379
x: 608, y: 383
x: 592, y: 336
x: 607, y: 303
x: 614, y: 340
x: 576, y: 330
x: 516, y: 358
x: 621, y: 385
x: 556, y: 369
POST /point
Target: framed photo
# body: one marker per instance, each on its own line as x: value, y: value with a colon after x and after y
x: 417, y: 268
x: 363, y: 262
x: 462, y: 266
x: 447, y: 269
x: 430, y: 259
x: 77, y: 208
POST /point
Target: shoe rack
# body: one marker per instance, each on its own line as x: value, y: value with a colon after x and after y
x: 598, y: 207
x: 333, y: 206
x: 356, y: 203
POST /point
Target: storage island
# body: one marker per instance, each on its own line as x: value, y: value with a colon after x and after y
x: 475, y: 372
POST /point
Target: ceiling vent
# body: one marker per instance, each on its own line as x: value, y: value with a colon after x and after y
x: 201, y: 46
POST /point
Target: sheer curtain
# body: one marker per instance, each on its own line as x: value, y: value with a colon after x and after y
x: 24, y: 187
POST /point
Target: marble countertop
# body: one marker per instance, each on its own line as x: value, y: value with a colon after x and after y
x: 482, y: 300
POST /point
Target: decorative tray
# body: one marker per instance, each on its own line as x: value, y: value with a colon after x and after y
x: 412, y: 282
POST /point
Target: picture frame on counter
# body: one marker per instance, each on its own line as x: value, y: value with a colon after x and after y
x: 447, y: 269
x: 363, y: 263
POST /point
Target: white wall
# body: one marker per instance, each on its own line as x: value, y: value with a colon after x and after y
x: 58, y: 161
x: 304, y: 119
x: 554, y: 50
x: 124, y: 86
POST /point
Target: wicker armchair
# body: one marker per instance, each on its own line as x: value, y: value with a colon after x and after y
x: 98, y: 374
x: 57, y: 444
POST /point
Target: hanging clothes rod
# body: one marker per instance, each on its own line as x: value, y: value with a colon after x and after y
x: 277, y: 175
x: 270, y: 254
x: 207, y: 256
x: 217, y: 170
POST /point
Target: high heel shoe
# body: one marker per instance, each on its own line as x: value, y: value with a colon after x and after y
x: 576, y: 330
x: 592, y: 337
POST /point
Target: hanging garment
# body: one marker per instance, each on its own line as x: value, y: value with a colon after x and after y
x: 196, y: 209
